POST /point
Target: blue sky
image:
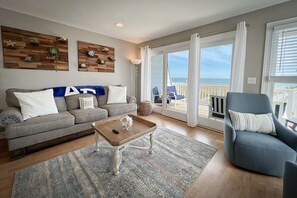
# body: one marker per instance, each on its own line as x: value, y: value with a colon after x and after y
x: 215, y: 62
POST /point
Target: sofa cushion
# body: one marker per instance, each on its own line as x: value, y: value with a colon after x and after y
x: 72, y: 102
x: 61, y: 104
x: 118, y: 109
x: 261, y: 152
x: 102, y: 100
x: 39, y: 125
x: 12, y: 100
x: 88, y: 115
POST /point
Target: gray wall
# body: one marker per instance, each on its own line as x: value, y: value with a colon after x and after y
x: 255, y: 36
x: 20, y: 78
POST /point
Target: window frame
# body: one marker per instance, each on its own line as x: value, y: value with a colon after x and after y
x: 267, y: 85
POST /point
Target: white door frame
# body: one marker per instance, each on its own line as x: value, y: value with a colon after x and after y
x: 220, y: 39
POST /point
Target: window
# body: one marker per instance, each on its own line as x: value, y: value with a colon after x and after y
x: 280, y: 68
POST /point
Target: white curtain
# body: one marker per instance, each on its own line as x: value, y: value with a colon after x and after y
x: 145, y: 74
x: 193, y: 80
x: 238, y: 63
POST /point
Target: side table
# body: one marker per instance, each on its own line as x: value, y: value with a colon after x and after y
x: 145, y: 108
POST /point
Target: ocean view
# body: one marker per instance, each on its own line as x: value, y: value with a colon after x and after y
x: 212, y: 81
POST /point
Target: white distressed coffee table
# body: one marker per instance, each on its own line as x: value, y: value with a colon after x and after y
x: 123, y: 140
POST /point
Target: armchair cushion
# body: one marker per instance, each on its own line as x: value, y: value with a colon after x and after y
x: 259, y: 151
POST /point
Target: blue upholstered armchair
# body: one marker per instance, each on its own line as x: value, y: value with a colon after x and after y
x: 156, y: 96
x: 172, y: 93
x: 256, y: 151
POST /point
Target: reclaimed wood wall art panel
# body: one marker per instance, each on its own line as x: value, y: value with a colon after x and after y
x: 29, y: 50
x: 95, y: 58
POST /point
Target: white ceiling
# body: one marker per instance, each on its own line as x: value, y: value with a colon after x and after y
x: 143, y: 19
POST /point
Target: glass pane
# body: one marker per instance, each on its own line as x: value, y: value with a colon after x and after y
x: 177, y: 81
x: 215, y: 72
x: 157, y: 79
x: 285, y: 103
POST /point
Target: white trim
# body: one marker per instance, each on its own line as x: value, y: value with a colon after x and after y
x: 171, y: 48
x: 219, y: 39
x: 211, y: 123
x: 265, y: 85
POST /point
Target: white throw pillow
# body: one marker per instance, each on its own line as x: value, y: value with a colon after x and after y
x: 86, y: 103
x: 37, y: 103
x: 262, y: 123
x: 117, y: 94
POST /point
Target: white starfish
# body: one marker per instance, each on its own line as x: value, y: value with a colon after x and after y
x: 10, y: 43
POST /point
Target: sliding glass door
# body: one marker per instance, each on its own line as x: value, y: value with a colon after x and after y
x: 177, y: 81
x: 169, y: 78
x: 215, y: 73
x: 157, y: 78
x: 169, y: 73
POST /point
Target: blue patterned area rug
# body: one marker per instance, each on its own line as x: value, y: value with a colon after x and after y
x: 175, y: 164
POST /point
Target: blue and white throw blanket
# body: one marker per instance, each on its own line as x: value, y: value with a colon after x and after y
x: 73, y: 90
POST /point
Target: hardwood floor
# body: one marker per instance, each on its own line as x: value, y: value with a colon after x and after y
x: 218, y: 179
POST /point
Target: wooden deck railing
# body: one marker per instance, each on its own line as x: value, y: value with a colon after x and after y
x: 205, y: 91
x: 288, y: 96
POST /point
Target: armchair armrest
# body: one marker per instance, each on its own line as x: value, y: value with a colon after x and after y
x: 229, y: 139
x: 290, y: 180
x: 172, y: 94
x: 286, y: 135
x: 10, y: 115
x: 131, y: 99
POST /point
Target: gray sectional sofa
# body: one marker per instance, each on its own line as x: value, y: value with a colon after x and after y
x: 71, y: 121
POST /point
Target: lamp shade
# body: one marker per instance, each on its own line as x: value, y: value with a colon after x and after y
x: 136, y: 61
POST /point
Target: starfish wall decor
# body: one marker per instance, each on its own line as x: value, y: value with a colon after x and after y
x: 10, y: 43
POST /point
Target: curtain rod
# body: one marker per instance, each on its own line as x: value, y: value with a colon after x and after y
x: 188, y: 38
x: 183, y: 39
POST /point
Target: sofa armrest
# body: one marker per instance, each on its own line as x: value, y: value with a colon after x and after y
x: 10, y: 115
x: 131, y: 99
x: 229, y: 139
x: 286, y: 135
